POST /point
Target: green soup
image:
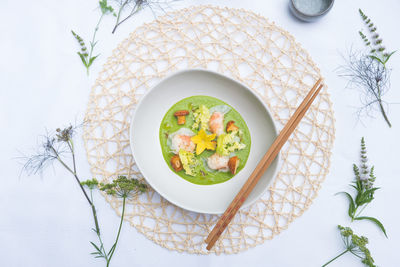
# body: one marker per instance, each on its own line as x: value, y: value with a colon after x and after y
x: 205, y: 175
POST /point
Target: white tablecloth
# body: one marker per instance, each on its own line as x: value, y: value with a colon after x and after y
x: 45, y: 221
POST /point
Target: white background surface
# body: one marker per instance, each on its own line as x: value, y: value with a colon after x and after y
x: 45, y: 221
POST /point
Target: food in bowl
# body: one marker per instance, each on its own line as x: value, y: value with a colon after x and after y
x: 204, y: 140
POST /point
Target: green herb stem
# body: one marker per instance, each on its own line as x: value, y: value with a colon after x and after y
x: 73, y: 173
x: 71, y: 147
x: 384, y: 114
x: 380, y: 102
x: 98, y: 228
x: 135, y: 10
x: 95, y: 216
x: 119, y: 15
x: 104, y: 254
x: 344, y: 252
x: 96, y: 222
x: 79, y: 182
x: 93, y: 43
x: 119, y: 231
x: 358, y: 214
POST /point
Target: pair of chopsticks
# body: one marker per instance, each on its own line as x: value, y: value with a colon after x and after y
x: 262, y: 166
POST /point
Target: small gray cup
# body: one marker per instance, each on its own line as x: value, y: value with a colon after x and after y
x: 310, y: 10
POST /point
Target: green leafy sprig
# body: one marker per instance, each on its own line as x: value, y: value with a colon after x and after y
x: 83, y: 54
x: 374, y: 43
x: 126, y: 9
x: 56, y: 147
x: 364, y: 186
x: 121, y: 187
x: 356, y: 245
x: 366, y: 70
x: 86, y: 55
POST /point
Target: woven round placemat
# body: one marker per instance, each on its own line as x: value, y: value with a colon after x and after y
x: 246, y: 47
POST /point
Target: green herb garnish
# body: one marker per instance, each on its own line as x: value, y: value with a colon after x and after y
x: 121, y: 187
x: 377, y: 50
x: 364, y: 186
x: 84, y: 54
x: 356, y: 245
x: 58, y: 147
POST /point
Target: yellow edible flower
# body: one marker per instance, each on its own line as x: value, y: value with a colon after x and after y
x: 203, y: 141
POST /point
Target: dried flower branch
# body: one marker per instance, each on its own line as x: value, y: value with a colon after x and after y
x: 356, y: 245
x: 52, y: 148
x: 368, y: 71
x: 56, y: 147
x: 86, y: 56
x: 128, y: 8
x: 364, y: 186
x: 371, y: 78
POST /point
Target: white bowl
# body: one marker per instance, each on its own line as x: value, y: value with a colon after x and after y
x: 146, y: 149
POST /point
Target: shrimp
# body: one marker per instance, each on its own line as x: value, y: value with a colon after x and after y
x: 183, y: 142
x: 181, y: 139
x: 216, y: 123
x: 217, y: 162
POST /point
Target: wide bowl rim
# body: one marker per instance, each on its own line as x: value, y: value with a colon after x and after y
x: 182, y: 205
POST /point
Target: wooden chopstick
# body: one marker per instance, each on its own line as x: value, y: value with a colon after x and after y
x: 262, y: 166
x: 263, y: 160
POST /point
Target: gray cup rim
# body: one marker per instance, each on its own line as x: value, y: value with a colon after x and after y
x: 315, y: 14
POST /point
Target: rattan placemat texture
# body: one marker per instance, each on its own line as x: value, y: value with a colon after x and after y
x: 246, y: 47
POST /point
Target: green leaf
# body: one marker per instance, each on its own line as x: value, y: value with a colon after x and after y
x: 366, y: 197
x: 95, y: 246
x: 388, y: 56
x: 374, y: 220
x: 352, y: 206
x: 371, y: 190
x: 105, y: 8
x: 82, y: 58
x: 359, y: 185
x: 112, y: 248
x: 91, y: 60
x: 362, y: 199
x: 103, y: 4
x: 93, y: 44
x: 377, y: 58
x: 355, y: 187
